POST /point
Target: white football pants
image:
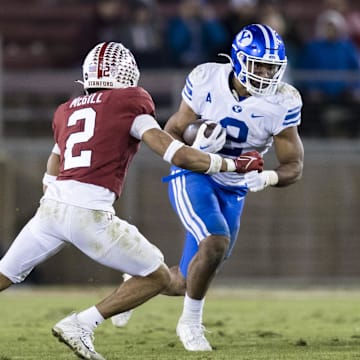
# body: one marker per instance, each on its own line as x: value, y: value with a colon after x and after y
x: 99, y: 234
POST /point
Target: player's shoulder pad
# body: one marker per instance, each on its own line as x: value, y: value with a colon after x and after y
x: 139, y: 91
x: 64, y: 105
x: 131, y: 91
x: 202, y: 73
x: 286, y: 95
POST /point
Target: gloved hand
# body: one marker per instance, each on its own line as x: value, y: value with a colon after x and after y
x: 259, y: 181
x: 213, y: 143
x: 249, y: 161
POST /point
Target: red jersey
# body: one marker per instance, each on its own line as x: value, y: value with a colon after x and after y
x: 93, y: 134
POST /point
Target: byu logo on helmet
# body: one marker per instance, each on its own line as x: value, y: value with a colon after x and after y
x: 245, y: 38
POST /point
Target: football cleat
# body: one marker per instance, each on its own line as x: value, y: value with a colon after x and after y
x: 120, y: 320
x: 77, y: 336
x: 192, y: 336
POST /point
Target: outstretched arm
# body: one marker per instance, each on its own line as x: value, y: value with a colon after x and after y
x: 179, y: 154
x: 175, y: 152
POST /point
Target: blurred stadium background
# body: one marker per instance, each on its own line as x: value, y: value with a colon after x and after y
x: 307, y: 232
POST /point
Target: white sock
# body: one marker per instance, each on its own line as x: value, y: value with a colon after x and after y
x: 90, y: 317
x: 192, y: 310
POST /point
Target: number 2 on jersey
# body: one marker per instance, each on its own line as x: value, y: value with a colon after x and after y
x: 237, y: 135
x: 84, y: 159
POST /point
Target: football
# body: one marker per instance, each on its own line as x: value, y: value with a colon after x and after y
x: 191, y: 130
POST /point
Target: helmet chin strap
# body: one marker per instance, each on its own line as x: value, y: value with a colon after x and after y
x: 235, y: 92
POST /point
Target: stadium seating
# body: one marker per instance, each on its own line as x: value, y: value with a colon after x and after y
x: 45, y: 34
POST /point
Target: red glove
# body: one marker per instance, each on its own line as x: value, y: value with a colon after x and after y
x: 249, y: 161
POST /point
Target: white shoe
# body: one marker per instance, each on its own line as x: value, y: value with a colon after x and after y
x: 120, y: 320
x: 77, y: 336
x: 192, y: 336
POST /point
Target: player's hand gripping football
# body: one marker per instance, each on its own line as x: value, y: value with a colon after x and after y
x: 249, y: 161
x: 213, y: 143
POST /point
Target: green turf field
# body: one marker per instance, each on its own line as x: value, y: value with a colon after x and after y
x: 248, y: 324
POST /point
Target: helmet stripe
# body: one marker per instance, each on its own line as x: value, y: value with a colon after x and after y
x: 270, y: 40
x: 100, y: 68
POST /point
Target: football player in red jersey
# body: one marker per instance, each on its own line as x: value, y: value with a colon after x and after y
x: 96, y: 136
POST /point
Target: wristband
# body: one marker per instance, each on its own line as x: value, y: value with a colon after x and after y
x: 174, y: 146
x: 215, y: 164
x: 230, y: 163
x: 48, y: 179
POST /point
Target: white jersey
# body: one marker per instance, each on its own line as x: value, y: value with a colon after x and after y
x: 250, y: 123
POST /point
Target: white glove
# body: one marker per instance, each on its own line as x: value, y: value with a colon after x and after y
x: 256, y: 181
x: 213, y: 143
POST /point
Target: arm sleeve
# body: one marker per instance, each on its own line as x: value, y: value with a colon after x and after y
x: 141, y: 124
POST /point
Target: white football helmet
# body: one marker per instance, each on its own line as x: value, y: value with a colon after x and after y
x: 110, y: 65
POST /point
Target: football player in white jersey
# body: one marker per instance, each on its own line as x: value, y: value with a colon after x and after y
x: 257, y: 110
